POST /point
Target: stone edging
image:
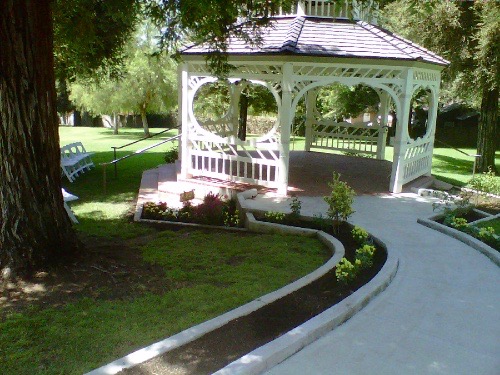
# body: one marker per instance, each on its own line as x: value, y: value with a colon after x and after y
x: 276, y: 351
x: 190, y: 334
x: 491, y: 253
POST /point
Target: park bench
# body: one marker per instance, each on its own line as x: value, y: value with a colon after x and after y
x: 75, y: 160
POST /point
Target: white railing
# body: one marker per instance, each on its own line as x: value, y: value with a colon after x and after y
x: 417, y: 160
x: 330, y: 9
x: 234, y: 162
x: 353, y: 138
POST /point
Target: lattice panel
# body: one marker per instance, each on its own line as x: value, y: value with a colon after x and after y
x: 347, y: 137
x: 346, y: 72
x: 426, y: 75
x: 417, y: 160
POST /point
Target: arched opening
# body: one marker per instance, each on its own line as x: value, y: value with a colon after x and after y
x: 419, y: 117
x: 212, y: 107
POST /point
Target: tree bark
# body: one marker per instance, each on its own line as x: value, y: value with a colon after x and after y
x: 242, y: 125
x: 487, y: 141
x: 34, y: 227
x: 145, y: 122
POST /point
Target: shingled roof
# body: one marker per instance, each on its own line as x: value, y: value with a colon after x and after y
x: 337, y: 37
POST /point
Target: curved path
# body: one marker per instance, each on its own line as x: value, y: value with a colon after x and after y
x: 440, y: 314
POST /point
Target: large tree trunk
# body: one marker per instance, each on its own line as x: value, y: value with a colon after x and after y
x: 487, y: 141
x: 34, y: 227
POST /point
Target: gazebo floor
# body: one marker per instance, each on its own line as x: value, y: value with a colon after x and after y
x: 310, y: 173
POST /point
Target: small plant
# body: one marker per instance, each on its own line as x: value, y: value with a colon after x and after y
x: 295, y: 206
x: 459, y: 223
x: 360, y: 235
x: 365, y: 256
x: 171, y: 155
x: 339, y: 201
x: 346, y: 272
x: 275, y: 217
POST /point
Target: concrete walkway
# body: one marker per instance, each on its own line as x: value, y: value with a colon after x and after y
x: 440, y: 315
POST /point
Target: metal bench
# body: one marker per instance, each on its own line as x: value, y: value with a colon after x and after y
x: 75, y: 160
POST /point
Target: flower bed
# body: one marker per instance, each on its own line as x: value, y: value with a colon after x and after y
x: 214, y: 210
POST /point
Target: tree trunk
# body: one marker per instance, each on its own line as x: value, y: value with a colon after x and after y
x: 145, y: 123
x: 242, y: 123
x: 34, y: 227
x: 487, y: 141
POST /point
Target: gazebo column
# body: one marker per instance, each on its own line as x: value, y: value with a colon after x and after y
x: 382, y: 136
x: 285, y: 118
x: 431, y: 122
x: 401, y: 139
x: 310, y: 107
x: 184, y: 105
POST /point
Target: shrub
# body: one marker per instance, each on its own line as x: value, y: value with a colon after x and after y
x: 212, y: 211
x: 345, y: 271
x: 486, y: 183
x: 360, y: 235
x: 295, y: 206
x: 365, y: 256
x: 275, y: 217
x: 339, y: 201
x: 171, y: 155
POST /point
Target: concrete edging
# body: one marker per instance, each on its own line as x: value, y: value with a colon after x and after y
x: 191, y: 334
x: 276, y: 351
x: 491, y: 253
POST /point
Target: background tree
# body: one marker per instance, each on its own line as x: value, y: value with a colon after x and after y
x: 146, y: 83
x: 467, y: 33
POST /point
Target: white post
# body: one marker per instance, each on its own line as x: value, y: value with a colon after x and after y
x: 401, y: 139
x: 301, y: 8
x: 382, y: 135
x: 431, y: 123
x: 310, y: 107
x: 184, y: 105
x: 179, y: 113
x: 285, y: 117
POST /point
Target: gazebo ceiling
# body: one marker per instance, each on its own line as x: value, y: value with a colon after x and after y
x: 328, y: 37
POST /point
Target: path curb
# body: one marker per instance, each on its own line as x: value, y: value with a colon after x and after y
x: 276, y: 351
x: 491, y: 253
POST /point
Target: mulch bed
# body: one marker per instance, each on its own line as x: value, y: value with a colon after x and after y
x: 220, y: 347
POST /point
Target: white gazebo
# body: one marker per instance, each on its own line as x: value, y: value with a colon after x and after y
x: 318, y: 44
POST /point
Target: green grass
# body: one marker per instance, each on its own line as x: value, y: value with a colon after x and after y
x: 206, y: 274
x: 213, y: 271
x: 103, y: 212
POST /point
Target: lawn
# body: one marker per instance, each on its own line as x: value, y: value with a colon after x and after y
x: 134, y: 285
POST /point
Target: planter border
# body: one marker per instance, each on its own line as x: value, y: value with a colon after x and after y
x: 271, y: 354
x: 476, y: 244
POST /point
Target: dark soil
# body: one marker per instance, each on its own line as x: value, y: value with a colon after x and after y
x: 220, y: 347
x: 108, y: 269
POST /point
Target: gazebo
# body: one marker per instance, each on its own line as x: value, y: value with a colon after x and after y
x: 315, y: 45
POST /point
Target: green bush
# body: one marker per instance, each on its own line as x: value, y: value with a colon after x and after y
x: 365, y: 256
x: 360, y: 235
x: 295, y: 206
x: 486, y: 183
x: 339, y: 201
x: 275, y: 217
x: 345, y: 271
x: 171, y: 155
